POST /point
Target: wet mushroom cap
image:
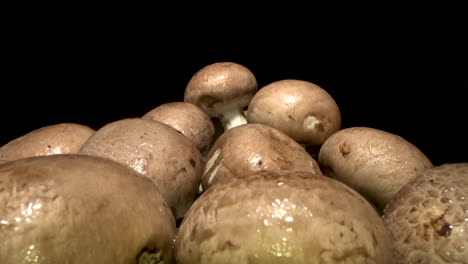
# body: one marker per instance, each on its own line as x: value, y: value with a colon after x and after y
x: 253, y: 147
x: 282, y: 217
x: 301, y: 109
x: 428, y: 218
x: 80, y: 209
x: 63, y: 138
x: 155, y: 150
x: 374, y: 162
x: 188, y: 119
x: 222, y: 89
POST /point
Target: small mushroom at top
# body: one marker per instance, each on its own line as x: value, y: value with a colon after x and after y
x: 222, y: 90
x: 301, y: 109
x: 63, y: 138
x: 188, y: 119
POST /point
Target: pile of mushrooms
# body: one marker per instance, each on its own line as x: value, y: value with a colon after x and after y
x: 172, y: 186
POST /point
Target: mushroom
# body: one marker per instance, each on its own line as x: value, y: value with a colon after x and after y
x: 80, y: 209
x: 63, y: 138
x: 188, y: 119
x: 376, y: 163
x: 254, y: 147
x: 155, y: 150
x: 301, y: 109
x: 222, y: 90
x: 428, y: 217
x: 282, y: 217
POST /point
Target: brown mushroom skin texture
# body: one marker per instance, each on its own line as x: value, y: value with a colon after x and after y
x: 301, y: 109
x: 254, y: 147
x: 188, y: 119
x: 80, y: 209
x: 63, y: 138
x: 428, y: 218
x: 374, y: 162
x: 222, y: 90
x: 155, y: 150
x: 282, y: 217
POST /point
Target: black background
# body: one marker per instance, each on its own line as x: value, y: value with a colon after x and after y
x: 409, y: 78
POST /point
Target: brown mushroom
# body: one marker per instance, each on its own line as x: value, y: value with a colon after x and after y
x: 282, y: 217
x: 222, y: 90
x: 63, y: 138
x: 374, y: 162
x: 428, y: 217
x: 188, y: 119
x: 301, y: 109
x: 80, y: 209
x: 254, y: 147
x: 155, y: 150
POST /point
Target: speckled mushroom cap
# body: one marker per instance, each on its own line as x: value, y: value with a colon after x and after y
x: 282, y: 217
x: 253, y: 147
x: 301, y: 109
x: 222, y: 90
x: 428, y: 218
x: 374, y: 162
x: 188, y: 119
x: 63, y: 138
x: 80, y: 209
x: 155, y: 150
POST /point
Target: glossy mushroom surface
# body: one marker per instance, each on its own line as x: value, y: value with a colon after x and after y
x: 302, y: 110
x: 254, y: 147
x: 428, y: 218
x: 80, y: 209
x: 222, y: 90
x: 282, y: 217
x: 155, y: 150
x: 63, y: 138
x: 188, y: 119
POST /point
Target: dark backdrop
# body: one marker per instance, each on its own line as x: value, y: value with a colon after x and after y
x: 408, y: 79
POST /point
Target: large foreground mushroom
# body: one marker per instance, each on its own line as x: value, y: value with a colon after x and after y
x: 80, y: 209
x: 282, y: 217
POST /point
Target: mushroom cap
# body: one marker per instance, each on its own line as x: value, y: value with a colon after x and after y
x: 301, y: 109
x: 254, y: 147
x: 188, y: 119
x: 155, y: 150
x: 282, y: 217
x: 428, y: 218
x: 74, y: 208
x: 63, y: 138
x: 374, y: 162
x: 220, y: 86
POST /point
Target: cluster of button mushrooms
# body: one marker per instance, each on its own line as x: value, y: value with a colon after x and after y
x: 231, y: 174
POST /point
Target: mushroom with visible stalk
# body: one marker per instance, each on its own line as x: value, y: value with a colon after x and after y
x: 155, y: 150
x: 73, y: 208
x: 222, y: 90
x: 374, y: 162
x: 301, y: 109
x: 62, y: 138
x: 282, y: 217
x: 428, y: 217
x: 188, y: 119
x: 254, y: 147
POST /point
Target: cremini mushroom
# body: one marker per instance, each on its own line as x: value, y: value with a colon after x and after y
x: 254, y: 147
x: 188, y: 119
x: 222, y: 90
x: 282, y: 217
x: 301, y: 109
x: 376, y: 163
x: 428, y: 217
x: 80, y: 209
x: 155, y: 150
x: 63, y: 138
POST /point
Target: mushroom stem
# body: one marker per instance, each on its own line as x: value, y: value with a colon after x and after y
x: 233, y: 117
